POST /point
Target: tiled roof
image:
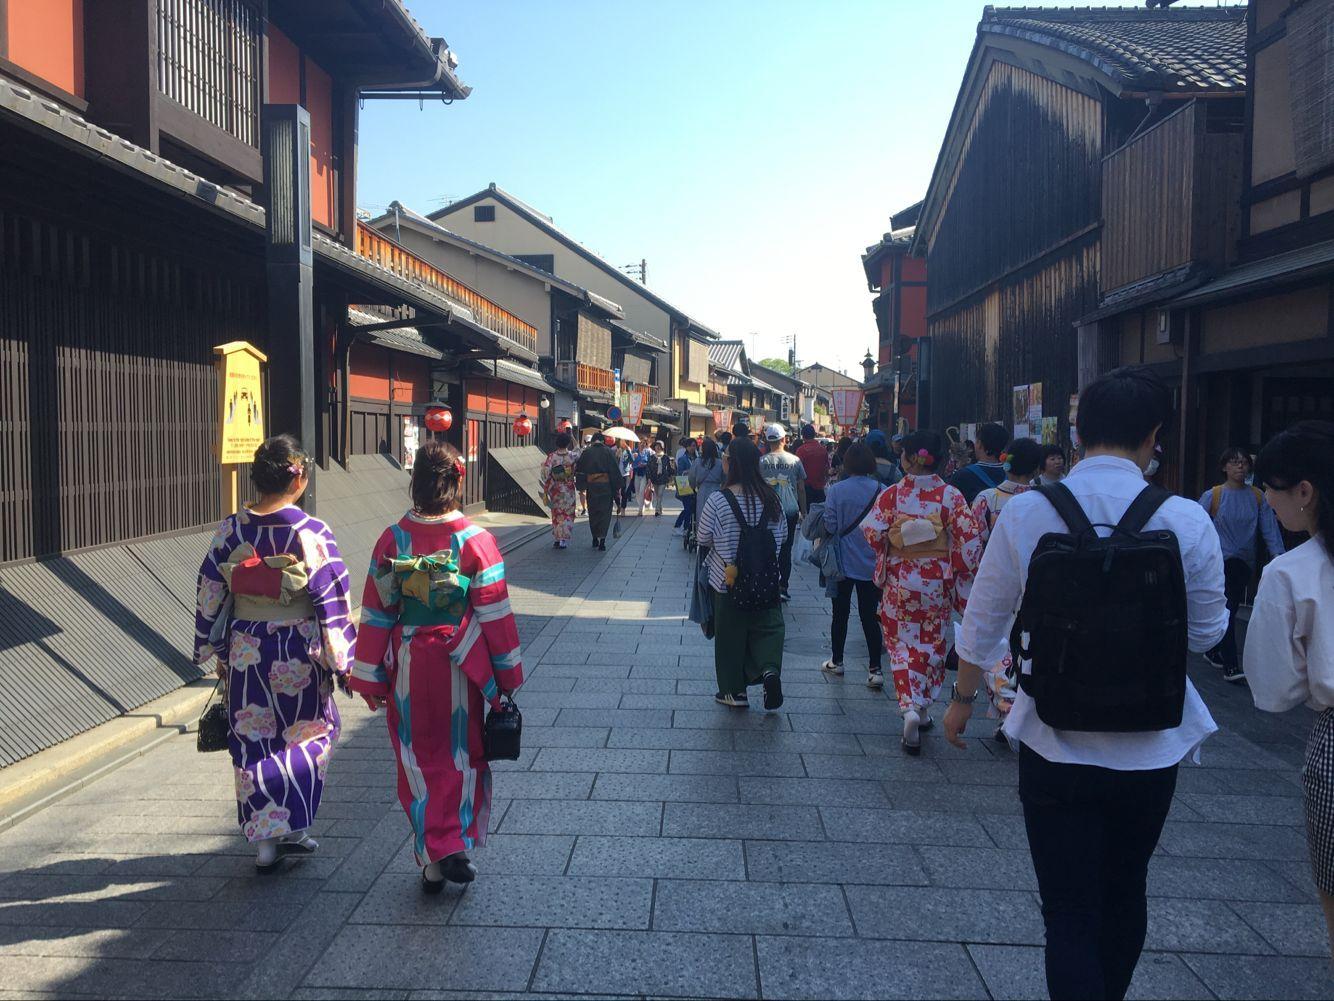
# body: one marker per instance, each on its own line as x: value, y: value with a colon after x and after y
x: 1172, y: 49
x: 727, y: 354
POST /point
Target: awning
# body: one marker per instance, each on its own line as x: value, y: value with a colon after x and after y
x: 665, y: 425
x: 1259, y: 276
x: 520, y: 375
x: 695, y: 410
x: 406, y: 338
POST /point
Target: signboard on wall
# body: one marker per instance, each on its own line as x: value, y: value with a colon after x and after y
x: 241, y: 423
x: 411, y: 441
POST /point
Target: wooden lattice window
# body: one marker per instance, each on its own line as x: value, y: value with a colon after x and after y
x: 209, y: 61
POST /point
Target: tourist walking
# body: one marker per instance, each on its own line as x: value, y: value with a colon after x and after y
x: 557, y: 480
x: 625, y: 462
x: 1290, y: 637
x: 639, y: 483
x: 847, y: 503
x: 598, y: 475
x: 660, y: 471
x: 1052, y: 468
x: 887, y: 468
x: 1021, y: 460
x: 743, y: 527
x: 685, y: 458
x: 785, y: 473
x: 706, y: 475
x: 1097, y: 774
x: 987, y: 471
x: 815, y: 460
x: 1242, y: 516
x: 437, y: 644
x: 927, y: 548
x: 272, y: 607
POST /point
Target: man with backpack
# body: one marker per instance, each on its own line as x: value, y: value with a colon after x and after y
x: 1104, y: 713
x: 988, y: 471
x: 1242, y: 517
x: 660, y: 472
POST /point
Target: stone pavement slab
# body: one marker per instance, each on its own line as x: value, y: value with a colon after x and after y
x: 649, y: 842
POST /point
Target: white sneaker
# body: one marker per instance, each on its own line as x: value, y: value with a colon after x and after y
x: 875, y: 679
x: 829, y: 667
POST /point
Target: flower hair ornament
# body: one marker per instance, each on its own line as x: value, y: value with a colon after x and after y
x: 460, y: 470
x: 296, y: 468
x: 925, y: 456
x: 1005, y: 460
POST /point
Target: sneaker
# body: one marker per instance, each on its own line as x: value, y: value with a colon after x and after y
x: 875, y: 679
x: 773, y: 691
x: 563, y: 544
x: 911, y: 742
x: 733, y: 701
x: 1215, y: 658
x: 1234, y: 674
x: 784, y: 596
x: 829, y: 667
x: 458, y: 868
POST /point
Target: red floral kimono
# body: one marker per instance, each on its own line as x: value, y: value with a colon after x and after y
x: 437, y: 678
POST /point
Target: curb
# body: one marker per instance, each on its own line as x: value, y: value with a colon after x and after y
x: 29, y: 786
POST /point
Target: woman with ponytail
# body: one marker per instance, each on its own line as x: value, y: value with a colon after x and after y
x: 438, y: 643
x: 273, y: 609
x: 1290, y: 639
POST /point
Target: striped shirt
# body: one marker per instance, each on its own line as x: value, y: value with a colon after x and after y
x: 719, y: 531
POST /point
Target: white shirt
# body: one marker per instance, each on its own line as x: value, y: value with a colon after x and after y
x: 1104, y: 486
x: 1290, y: 638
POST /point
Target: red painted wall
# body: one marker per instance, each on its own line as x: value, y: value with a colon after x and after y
x: 369, y: 369
x: 285, y: 64
x: 284, y: 68
x: 496, y: 396
x: 46, y: 39
x: 912, y: 319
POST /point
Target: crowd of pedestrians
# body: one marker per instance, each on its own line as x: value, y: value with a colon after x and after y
x: 1069, y: 596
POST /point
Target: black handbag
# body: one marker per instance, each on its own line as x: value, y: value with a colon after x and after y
x: 213, y: 725
x: 502, y: 730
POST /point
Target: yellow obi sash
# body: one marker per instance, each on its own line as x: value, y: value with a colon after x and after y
x: 915, y: 538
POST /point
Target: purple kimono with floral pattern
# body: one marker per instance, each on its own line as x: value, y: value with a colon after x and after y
x: 281, y: 675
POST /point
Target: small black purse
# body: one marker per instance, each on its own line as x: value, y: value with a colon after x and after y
x: 213, y: 725
x: 502, y: 730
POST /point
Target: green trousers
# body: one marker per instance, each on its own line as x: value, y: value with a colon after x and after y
x: 746, y: 645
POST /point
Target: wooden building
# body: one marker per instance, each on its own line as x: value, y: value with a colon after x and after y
x: 133, y: 241
x: 1012, y: 223
x: 498, y: 219
x: 899, y: 389
x: 753, y: 397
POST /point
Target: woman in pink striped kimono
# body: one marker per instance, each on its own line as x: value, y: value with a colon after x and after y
x: 437, y: 643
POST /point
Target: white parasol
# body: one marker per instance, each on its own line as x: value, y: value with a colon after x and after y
x: 624, y: 434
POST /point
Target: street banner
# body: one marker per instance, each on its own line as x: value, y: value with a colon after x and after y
x: 847, y: 405
x: 634, y: 407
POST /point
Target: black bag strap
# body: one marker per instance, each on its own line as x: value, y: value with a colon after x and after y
x: 741, y: 522
x: 858, y: 520
x: 1142, y: 508
x: 1059, y: 496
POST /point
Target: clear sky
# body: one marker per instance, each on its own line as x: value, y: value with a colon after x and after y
x: 750, y: 150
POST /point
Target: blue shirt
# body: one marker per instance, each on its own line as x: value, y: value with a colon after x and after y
x: 844, y: 501
x: 1241, y: 513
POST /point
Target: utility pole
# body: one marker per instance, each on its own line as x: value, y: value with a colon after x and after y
x: 639, y: 270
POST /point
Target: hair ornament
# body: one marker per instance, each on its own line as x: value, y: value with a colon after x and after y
x: 460, y: 469
x: 925, y: 456
x: 297, y: 468
x: 1005, y: 461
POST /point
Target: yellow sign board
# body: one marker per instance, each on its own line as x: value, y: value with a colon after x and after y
x: 241, y: 427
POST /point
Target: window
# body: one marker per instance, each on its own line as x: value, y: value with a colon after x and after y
x: 483, y: 213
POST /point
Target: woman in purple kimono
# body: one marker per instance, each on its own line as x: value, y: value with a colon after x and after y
x: 273, y: 608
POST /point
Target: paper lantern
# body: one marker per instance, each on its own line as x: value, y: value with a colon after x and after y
x: 564, y: 425
x: 439, y: 419
x: 523, y: 427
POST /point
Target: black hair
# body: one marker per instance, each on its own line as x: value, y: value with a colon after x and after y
x: 859, y: 461
x: 1047, y: 452
x: 1233, y: 452
x: 1120, y: 409
x: 740, y: 430
x: 437, y: 478
x: 743, y: 469
x: 933, y: 442
x: 724, y: 439
x: 563, y: 440
x: 878, y: 447
x: 993, y: 438
x: 709, y: 453
x: 1304, y: 451
x: 271, y: 470
x: 1024, y: 457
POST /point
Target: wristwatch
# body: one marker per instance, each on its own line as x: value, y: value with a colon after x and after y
x: 958, y: 696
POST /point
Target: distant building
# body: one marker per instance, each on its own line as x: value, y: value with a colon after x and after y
x: 899, y: 388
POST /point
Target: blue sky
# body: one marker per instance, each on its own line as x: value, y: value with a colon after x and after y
x: 750, y: 150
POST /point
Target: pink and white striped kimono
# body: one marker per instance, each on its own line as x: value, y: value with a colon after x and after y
x: 436, y: 679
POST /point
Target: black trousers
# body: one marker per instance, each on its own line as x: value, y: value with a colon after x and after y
x: 1236, y: 578
x: 868, y: 601
x: 785, y: 553
x: 1091, y: 831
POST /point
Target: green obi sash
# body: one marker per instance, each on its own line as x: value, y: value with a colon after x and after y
x: 431, y: 591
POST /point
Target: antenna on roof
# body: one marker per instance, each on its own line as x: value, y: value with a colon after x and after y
x: 639, y: 271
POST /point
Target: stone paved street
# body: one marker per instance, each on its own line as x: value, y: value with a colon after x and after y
x: 652, y: 843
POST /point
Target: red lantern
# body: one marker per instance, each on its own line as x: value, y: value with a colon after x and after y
x: 564, y: 425
x: 439, y: 419
x: 523, y: 427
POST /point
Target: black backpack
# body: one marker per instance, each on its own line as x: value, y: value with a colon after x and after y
x: 1106, y: 622
x: 757, y: 583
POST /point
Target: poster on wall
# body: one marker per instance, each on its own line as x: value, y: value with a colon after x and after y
x: 411, y: 441
x: 1034, y: 414
x: 1049, y: 431
x: 1022, y: 430
x: 1019, y: 405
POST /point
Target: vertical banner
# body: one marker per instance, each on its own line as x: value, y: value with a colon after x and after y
x: 847, y: 405
x: 634, y: 407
